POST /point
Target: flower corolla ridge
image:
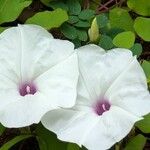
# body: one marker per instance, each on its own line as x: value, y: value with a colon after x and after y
x: 112, y: 96
x: 37, y: 74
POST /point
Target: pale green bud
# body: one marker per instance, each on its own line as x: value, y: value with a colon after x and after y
x: 93, y: 32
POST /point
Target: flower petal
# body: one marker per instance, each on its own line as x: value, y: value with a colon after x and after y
x: 7, y: 96
x: 29, y: 53
x: 40, y: 51
x: 59, y: 83
x: 69, y: 125
x: 129, y: 90
x: 54, y: 52
x: 87, y: 129
x: 25, y: 111
x: 113, y: 126
x: 18, y: 45
x: 98, y: 68
x: 31, y: 45
x: 57, y: 88
x: 88, y: 67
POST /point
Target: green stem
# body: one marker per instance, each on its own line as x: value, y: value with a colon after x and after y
x: 117, y: 147
x: 25, y: 130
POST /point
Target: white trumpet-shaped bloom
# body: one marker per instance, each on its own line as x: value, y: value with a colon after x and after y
x: 112, y: 96
x: 37, y: 73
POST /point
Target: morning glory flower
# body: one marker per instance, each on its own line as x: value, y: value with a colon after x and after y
x: 37, y: 73
x: 112, y: 96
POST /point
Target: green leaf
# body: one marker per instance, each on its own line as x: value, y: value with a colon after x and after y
x: 73, y: 19
x: 106, y: 42
x: 82, y: 24
x: 124, y: 39
x: 14, y: 141
x: 141, y: 7
x: 2, y: 129
x: 137, y: 49
x: 49, y: 19
x: 11, y: 9
x: 120, y: 18
x: 144, y: 125
x: 58, y: 4
x: 82, y: 35
x: 2, y: 29
x: 69, y: 31
x: 102, y: 20
x: 146, y: 68
x: 142, y: 27
x: 94, y: 4
x: 42, y: 144
x: 48, y: 141
x: 136, y: 143
x: 114, y: 31
x: 83, y: 148
x: 73, y: 147
x: 86, y: 14
x: 74, y: 7
x: 77, y: 43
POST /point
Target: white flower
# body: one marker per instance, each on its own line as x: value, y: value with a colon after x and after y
x: 112, y: 96
x: 37, y: 73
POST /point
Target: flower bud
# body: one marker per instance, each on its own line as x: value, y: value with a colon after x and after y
x: 94, y: 31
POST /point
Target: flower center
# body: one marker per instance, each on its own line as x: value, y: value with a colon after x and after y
x: 27, y: 88
x: 101, y: 106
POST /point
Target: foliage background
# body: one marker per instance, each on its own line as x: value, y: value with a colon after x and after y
x: 107, y: 23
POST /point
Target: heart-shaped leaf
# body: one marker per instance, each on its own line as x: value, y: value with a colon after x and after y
x: 11, y: 9
x: 141, y: 7
x: 49, y: 19
x: 124, y: 39
x: 142, y: 27
x: 120, y: 18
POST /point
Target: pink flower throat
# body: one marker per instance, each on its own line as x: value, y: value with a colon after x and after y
x: 27, y: 88
x: 101, y: 106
